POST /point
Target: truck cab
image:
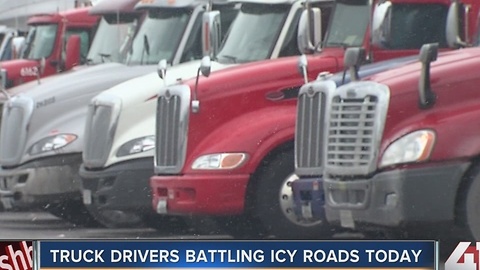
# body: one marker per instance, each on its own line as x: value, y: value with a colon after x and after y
x: 236, y: 161
x: 417, y: 172
x: 120, y: 166
x: 46, y: 42
x: 11, y: 43
x: 42, y: 170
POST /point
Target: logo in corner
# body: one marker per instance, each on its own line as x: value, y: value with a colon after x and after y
x: 464, y: 257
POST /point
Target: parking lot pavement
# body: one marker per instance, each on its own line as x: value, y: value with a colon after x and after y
x: 41, y: 225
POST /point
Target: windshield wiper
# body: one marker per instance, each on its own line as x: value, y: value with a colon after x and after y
x: 338, y: 44
x: 230, y: 57
x: 146, y: 48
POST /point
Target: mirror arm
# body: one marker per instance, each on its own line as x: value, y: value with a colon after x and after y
x: 195, y: 101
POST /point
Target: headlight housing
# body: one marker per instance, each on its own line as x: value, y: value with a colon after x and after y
x: 52, y: 143
x: 137, y: 145
x: 219, y: 161
x: 413, y: 147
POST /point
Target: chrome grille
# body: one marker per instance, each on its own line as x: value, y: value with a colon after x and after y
x: 13, y: 131
x: 356, y: 118
x: 309, y: 133
x: 100, y: 128
x: 173, y: 105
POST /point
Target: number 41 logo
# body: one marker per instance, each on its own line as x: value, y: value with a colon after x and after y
x: 464, y: 257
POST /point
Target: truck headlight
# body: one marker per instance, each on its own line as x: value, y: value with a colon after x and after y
x: 52, y: 143
x: 137, y: 145
x: 413, y: 147
x: 219, y: 161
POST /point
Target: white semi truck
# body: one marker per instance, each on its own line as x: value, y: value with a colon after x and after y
x: 41, y: 136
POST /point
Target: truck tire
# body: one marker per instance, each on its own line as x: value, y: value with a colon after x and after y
x: 468, y: 207
x: 74, y: 212
x: 273, y: 202
x: 115, y: 219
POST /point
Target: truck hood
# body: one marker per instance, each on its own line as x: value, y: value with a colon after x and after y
x: 452, y: 78
x: 43, y: 81
x: 58, y: 104
x: 138, y: 105
x: 144, y: 88
x: 411, y: 72
x: 14, y: 68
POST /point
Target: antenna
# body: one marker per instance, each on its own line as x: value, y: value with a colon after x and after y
x: 209, y: 5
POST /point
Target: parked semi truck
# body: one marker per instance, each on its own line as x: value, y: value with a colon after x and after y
x: 337, y: 152
x: 417, y: 171
x: 11, y: 42
x: 237, y: 158
x: 116, y: 171
x: 41, y: 169
x: 15, y: 14
x: 46, y: 44
x: 118, y: 23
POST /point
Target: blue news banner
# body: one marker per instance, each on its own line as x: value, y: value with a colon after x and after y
x: 238, y: 254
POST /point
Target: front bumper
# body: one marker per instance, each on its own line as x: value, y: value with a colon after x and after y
x: 199, y: 194
x: 124, y: 186
x: 40, y: 182
x: 397, y: 198
x: 309, y: 198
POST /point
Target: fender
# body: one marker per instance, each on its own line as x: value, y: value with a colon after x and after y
x: 265, y: 130
x: 454, y: 117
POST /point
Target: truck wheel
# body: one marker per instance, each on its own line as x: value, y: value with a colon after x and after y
x: 274, y: 204
x: 73, y: 211
x: 469, y: 210
x: 115, y: 218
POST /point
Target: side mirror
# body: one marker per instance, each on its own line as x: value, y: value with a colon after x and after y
x: 309, y: 30
x: 17, y: 46
x: 303, y: 67
x: 211, y: 33
x: 381, y: 25
x: 454, y: 25
x: 206, y: 66
x: 40, y: 69
x: 162, y: 69
x: 41, y: 66
x: 428, y: 54
x: 352, y: 60
x: 72, y: 57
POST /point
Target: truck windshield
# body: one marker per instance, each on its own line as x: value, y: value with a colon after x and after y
x: 39, y: 42
x: 413, y: 25
x: 158, y: 36
x: 109, y: 39
x: 254, y: 33
x: 6, y: 47
x: 353, y: 13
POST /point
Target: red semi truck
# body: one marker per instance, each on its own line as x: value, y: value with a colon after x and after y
x: 419, y: 169
x: 49, y: 38
x: 235, y: 160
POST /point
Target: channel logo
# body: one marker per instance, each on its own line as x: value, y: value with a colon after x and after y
x: 464, y: 257
x: 16, y: 255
